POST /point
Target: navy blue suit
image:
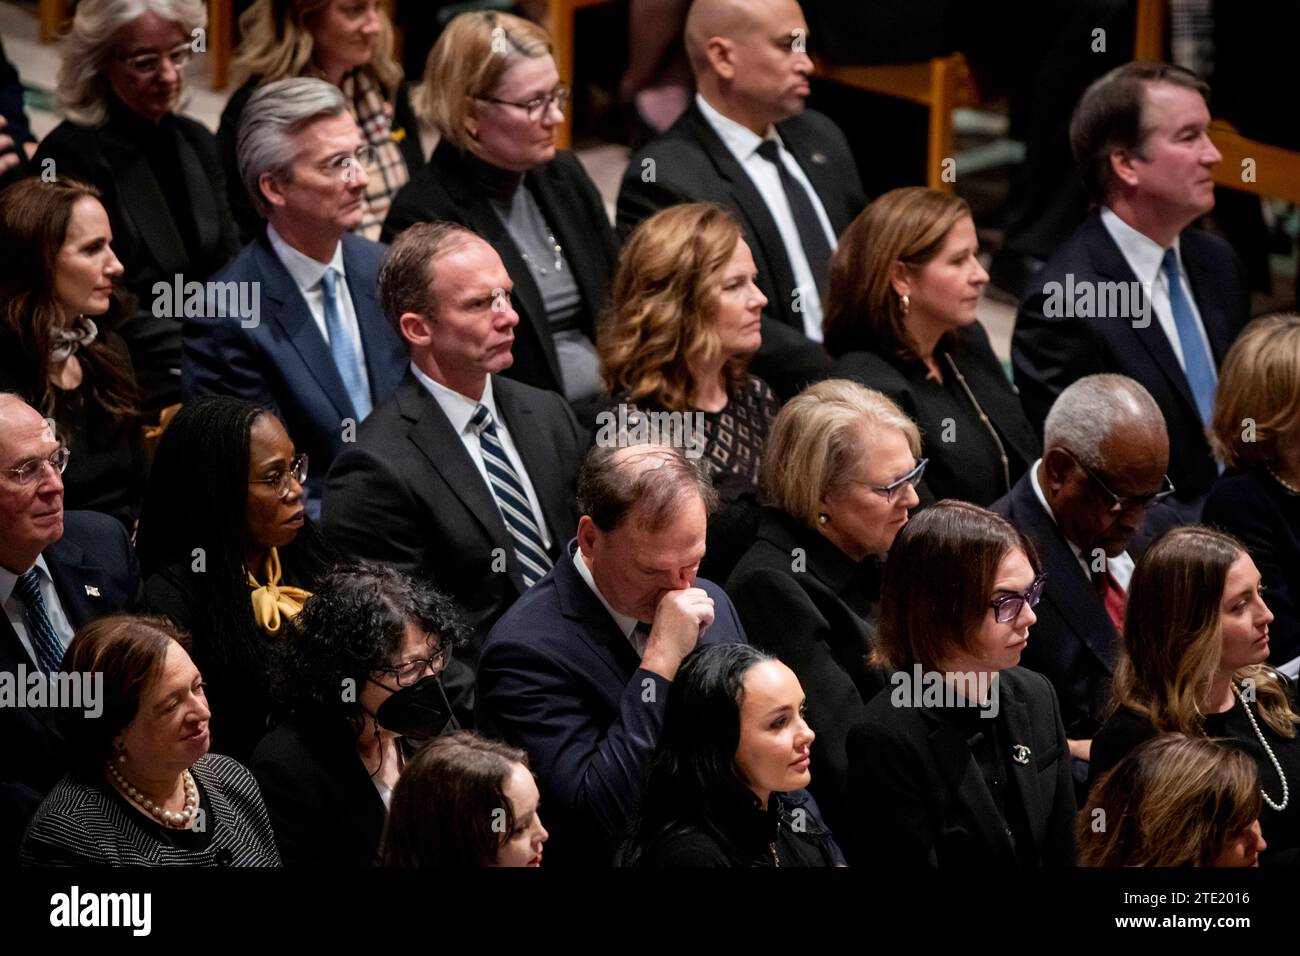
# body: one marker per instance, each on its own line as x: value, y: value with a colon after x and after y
x: 284, y: 363
x: 558, y: 678
x: 96, y: 574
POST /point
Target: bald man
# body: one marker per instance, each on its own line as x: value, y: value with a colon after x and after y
x: 747, y: 143
x: 1091, y: 505
x: 58, y: 571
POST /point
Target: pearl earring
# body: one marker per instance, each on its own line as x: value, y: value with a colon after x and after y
x: 121, y: 758
x: 823, y: 518
x: 904, y: 303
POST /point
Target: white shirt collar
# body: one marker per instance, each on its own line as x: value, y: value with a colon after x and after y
x: 305, y: 271
x: 739, y: 139
x: 1143, y: 254
x: 9, y: 580
x: 625, y: 624
x: 458, y: 408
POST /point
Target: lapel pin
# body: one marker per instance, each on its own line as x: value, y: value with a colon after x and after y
x: 1020, y: 753
x: 819, y: 158
x: 92, y: 591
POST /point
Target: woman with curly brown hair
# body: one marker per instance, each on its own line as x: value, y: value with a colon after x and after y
x: 58, y: 347
x: 1194, y: 662
x: 683, y: 324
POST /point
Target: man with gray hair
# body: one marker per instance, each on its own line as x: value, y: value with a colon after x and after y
x: 577, y: 671
x: 293, y: 323
x: 1090, y: 504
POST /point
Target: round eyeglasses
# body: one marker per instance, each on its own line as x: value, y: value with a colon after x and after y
x: 280, y: 480
x: 145, y: 65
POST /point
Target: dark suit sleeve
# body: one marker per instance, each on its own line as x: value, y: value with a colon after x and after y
x: 366, y: 512
x: 886, y: 790
x: 219, y: 358
x: 594, y: 772
x: 289, y: 790
x: 643, y: 193
x: 1048, y: 355
x: 72, y: 158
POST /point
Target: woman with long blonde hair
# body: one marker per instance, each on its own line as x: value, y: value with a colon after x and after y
x: 683, y: 323
x: 348, y: 43
x: 1196, y: 646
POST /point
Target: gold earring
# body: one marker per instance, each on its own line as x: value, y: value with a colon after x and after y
x: 904, y: 303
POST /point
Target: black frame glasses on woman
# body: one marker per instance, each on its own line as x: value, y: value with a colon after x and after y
x: 536, y: 107
x: 1007, y: 607
x: 1130, y: 503
x: 30, y: 471
x: 279, y: 480
x: 409, y: 673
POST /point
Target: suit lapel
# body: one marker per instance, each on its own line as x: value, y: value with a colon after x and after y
x: 290, y: 312
x: 592, y: 622
x: 1214, y: 311
x: 536, y: 455
x: 962, y: 772
x: 143, y: 204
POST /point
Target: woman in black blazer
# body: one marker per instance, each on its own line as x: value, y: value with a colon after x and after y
x: 840, y: 472
x: 157, y: 171
x: 356, y: 677
x: 962, y: 761
x: 1255, y: 432
x: 900, y: 318
x: 492, y: 91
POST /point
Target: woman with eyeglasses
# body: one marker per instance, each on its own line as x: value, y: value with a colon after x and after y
x: 121, y: 83
x: 348, y: 43
x: 492, y: 91
x: 840, y: 470
x: 1195, y: 662
x: 227, y: 553
x: 58, y: 347
x: 961, y: 761
x: 901, y: 318
x: 358, y: 684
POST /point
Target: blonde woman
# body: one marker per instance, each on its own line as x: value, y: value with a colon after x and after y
x: 900, y: 318
x: 1255, y: 432
x: 348, y: 43
x: 1196, y: 643
x: 122, y: 85
x: 683, y: 324
x: 1175, y: 801
x: 492, y: 91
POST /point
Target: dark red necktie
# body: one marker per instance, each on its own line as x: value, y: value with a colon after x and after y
x: 1112, y: 596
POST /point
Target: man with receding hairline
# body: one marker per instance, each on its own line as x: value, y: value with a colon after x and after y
x: 748, y: 143
x: 1091, y: 505
x: 577, y: 671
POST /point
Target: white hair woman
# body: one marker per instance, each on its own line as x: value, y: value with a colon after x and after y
x: 122, y: 83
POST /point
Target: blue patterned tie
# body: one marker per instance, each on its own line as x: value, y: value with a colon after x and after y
x: 1197, y: 363
x: 46, y: 643
x: 512, y: 500
x: 345, y: 356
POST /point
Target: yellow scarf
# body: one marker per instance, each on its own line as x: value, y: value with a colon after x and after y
x: 270, y: 600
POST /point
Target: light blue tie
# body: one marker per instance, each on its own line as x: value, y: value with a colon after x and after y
x: 512, y: 500
x: 346, y: 359
x: 1197, y: 363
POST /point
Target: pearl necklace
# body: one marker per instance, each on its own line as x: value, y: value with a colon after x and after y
x: 1286, y: 790
x: 171, y: 818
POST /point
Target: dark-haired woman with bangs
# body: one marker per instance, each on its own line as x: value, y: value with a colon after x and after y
x: 726, y: 785
x: 227, y: 552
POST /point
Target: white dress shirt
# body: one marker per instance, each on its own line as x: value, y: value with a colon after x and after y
x: 1144, y: 256
x: 459, y: 409
x: 307, y: 273
x: 15, y: 610
x: 625, y: 624
x: 743, y: 144
x: 1120, y: 566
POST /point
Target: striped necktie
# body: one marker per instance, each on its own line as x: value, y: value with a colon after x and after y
x: 512, y: 500
x: 46, y: 643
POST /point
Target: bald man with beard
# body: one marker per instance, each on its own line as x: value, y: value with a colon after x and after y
x: 747, y: 143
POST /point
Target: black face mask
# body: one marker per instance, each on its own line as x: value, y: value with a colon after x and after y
x: 418, y: 712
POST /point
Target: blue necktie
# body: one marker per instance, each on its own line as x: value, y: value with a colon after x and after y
x: 1197, y: 363
x: 512, y: 500
x: 346, y: 359
x: 46, y: 643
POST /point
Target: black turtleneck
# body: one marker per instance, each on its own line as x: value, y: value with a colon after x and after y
x: 158, y: 142
x: 496, y: 183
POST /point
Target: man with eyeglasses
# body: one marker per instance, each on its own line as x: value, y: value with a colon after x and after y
x: 316, y: 349
x: 58, y: 571
x: 748, y: 143
x: 1091, y: 504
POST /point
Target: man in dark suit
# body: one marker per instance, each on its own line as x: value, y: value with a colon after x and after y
x: 58, y: 571
x: 577, y: 672
x: 314, y: 346
x: 748, y: 144
x: 1091, y: 506
x: 1134, y: 290
x: 463, y: 477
